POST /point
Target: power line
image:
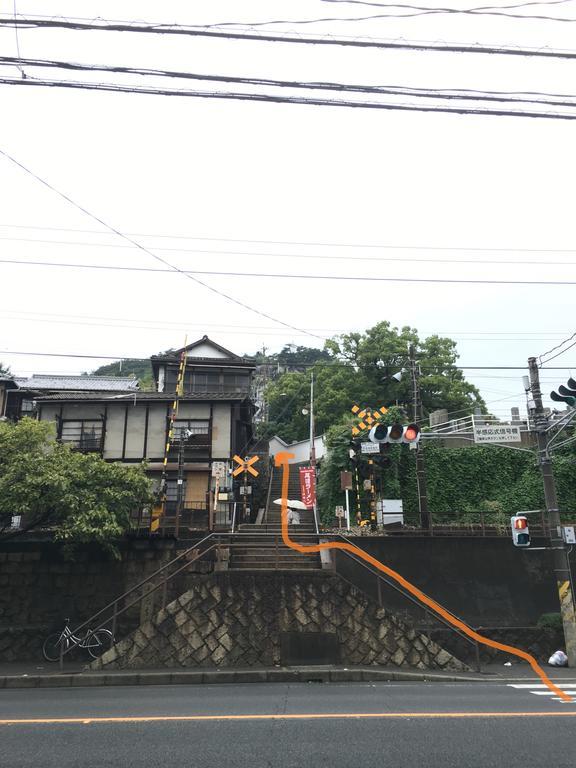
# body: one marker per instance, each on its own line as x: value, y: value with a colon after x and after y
x: 559, y: 346
x: 327, y: 257
x: 382, y: 246
x: 136, y: 244
x: 335, y: 363
x: 47, y: 317
x: 286, y: 276
x: 465, y: 94
x: 160, y: 327
x: 414, y: 11
x: 300, y: 39
x: 277, y: 99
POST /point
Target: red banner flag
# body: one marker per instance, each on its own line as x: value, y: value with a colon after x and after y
x: 308, y: 486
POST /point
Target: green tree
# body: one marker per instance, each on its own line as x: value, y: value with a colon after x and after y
x: 5, y: 370
x: 80, y: 496
x: 359, y: 372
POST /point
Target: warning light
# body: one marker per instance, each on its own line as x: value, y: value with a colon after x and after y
x: 396, y: 433
x: 520, y: 531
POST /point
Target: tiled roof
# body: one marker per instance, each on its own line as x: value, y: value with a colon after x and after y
x: 141, y: 397
x: 79, y: 383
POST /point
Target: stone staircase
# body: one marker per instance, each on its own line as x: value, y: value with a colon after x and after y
x: 260, y: 547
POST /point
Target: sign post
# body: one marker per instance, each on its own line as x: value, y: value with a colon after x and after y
x: 245, y: 466
x: 346, y: 486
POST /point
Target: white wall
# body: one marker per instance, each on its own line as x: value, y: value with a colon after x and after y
x: 301, y: 449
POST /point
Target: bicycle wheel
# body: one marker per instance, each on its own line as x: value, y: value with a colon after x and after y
x: 99, y: 642
x: 52, y: 645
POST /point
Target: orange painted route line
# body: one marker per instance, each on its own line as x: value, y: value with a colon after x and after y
x: 309, y: 716
x: 281, y: 460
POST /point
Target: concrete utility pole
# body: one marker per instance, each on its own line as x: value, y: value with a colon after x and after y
x: 559, y: 551
x: 425, y: 520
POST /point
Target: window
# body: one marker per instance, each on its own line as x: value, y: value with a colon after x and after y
x: 236, y: 382
x: 84, y: 435
x: 192, y: 431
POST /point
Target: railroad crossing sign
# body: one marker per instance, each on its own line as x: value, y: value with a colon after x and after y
x: 366, y: 418
x: 245, y: 465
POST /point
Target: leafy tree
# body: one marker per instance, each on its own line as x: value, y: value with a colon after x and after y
x: 5, y: 370
x: 359, y: 371
x: 80, y: 496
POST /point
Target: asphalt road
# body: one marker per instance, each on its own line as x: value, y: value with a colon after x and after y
x: 403, y: 725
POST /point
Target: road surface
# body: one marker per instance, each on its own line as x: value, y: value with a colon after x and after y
x: 403, y: 725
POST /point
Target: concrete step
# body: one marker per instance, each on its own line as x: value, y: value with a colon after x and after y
x: 273, y: 564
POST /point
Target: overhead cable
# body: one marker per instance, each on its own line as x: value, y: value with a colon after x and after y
x: 136, y: 244
x: 317, y: 256
x: 285, y: 276
x: 278, y: 99
x: 311, y: 243
x: 325, y: 40
x: 513, y: 97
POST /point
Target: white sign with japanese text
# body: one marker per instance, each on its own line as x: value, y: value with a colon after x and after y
x: 370, y: 447
x: 495, y: 433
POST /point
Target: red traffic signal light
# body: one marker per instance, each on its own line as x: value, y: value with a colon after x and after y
x: 396, y: 433
x: 412, y: 434
x: 520, y: 531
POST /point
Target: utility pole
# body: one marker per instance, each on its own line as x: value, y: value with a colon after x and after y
x: 559, y: 551
x: 313, y: 449
x: 425, y: 520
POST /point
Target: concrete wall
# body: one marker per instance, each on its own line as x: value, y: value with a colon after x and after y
x: 39, y: 588
x: 485, y: 581
x: 301, y: 449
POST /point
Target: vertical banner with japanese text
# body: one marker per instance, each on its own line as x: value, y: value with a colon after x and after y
x: 308, y: 486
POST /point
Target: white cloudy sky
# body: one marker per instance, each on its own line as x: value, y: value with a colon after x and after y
x: 200, y: 181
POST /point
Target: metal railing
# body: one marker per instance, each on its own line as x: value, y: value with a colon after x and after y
x: 107, y: 617
x: 378, y: 579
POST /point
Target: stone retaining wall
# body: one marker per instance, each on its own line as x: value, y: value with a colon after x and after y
x: 237, y: 619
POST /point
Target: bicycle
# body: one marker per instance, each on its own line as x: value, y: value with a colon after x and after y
x: 58, y: 643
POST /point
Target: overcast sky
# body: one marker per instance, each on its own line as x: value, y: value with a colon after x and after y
x: 196, y: 179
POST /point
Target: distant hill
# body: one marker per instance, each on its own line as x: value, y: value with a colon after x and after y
x: 142, y: 370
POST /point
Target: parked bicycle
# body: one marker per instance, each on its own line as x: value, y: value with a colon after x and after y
x: 96, y: 643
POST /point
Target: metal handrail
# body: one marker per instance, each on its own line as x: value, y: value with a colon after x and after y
x: 114, y: 603
x: 269, y: 494
x: 142, y: 583
x: 406, y: 594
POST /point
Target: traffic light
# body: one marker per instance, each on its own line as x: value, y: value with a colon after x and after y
x: 395, y: 433
x: 520, y: 531
x: 567, y: 394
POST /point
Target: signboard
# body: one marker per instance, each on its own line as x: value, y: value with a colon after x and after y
x: 340, y: 512
x: 569, y: 534
x: 494, y: 433
x: 245, y: 490
x: 219, y: 469
x: 389, y: 511
x: 308, y: 486
x: 345, y: 481
x: 370, y: 447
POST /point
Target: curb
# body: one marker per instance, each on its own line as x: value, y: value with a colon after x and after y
x: 280, y: 675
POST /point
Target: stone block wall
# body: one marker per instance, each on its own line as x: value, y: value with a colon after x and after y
x: 238, y: 619
x: 39, y: 588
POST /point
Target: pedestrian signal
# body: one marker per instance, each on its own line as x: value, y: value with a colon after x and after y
x: 565, y: 394
x: 520, y: 531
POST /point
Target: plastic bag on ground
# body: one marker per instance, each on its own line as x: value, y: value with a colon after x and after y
x: 558, y: 659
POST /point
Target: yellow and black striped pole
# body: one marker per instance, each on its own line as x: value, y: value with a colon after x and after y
x: 160, y: 506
